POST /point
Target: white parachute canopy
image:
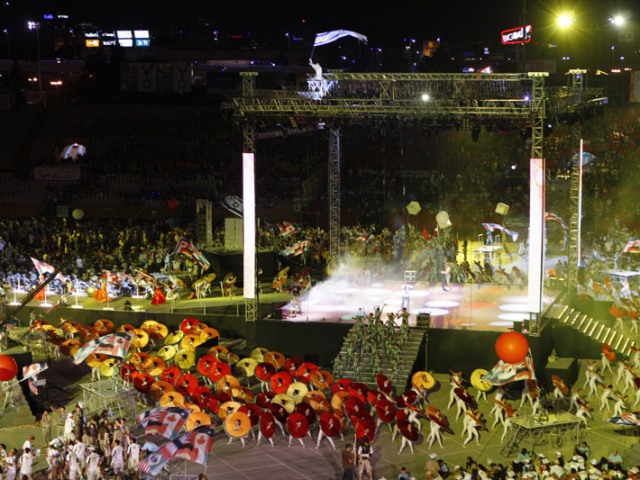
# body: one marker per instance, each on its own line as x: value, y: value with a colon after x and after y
x: 329, y: 37
x: 73, y: 151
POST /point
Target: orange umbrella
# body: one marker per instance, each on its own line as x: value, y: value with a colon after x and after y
x: 159, y: 388
x: 158, y: 332
x: 226, y: 383
x: 228, y: 408
x: 104, y: 326
x: 70, y: 347
x: 209, y: 333
x: 89, y: 333
x: 197, y: 419
x: 148, y: 324
x: 322, y: 379
x: 138, y: 359
x: 126, y: 327
x: 154, y: 366
x: 280, y: 382
x: 172, y: 399
x: 276, y: 359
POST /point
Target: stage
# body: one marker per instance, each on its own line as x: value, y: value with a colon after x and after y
x: 485, y: 307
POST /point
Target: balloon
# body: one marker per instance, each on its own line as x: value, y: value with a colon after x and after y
x: 512, y: 347
x: 173, y: 203
x: 77, y: 214
x: 8, y: 368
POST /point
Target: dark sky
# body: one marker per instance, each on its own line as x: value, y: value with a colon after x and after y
x: 380, y: 21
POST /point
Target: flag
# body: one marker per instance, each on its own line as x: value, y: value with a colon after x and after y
x: 187, y: 248
x: 296, y: 249
x: 194, y: 445
x: 234, y: 204
x: 140, y: 276
x: 110, y: 277
x: 286, y: 229
x: 329, y: 37
x: 490, y: 227
x: 114, y: 344
x: 165, y: 421
x: 632, y: 246
x: 33, y: 370
x: 503, y: 373
x: 555, y: 218
x: 44, y: 268
x: 629, y: 419
x: 365, y: 237
x: 33, y: 385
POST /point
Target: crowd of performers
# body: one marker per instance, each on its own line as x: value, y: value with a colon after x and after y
x: 374, y: 342
x: 288, y: 402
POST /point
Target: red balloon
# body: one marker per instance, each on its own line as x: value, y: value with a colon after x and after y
x: 8, y: 368
x: 512, y: 347
x: 173, y: 203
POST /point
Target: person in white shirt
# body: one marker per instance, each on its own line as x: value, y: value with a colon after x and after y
x: 79, y: 449
x: 117, y: 459
x: 28, y: 443
x: 10, y: 465
x: 93, y: 465
x: 133, y: 453
x: 69, y: 426
x: 26, y: 464
x: 73, y: 465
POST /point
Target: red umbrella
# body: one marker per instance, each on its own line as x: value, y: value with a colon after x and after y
x: 218, y: 370
x: 364, y: 428
x: 190, y: 325
x: 143, y: 381
x: 279, y: 412
x: 297, y: 425
x: 329, y: 424
x: 353, y: 406
x: 407, y: 398
x: 280, y: 382
x: 202, y: 396
x: 276, y: 359
x: 341, y: 384
x: 267, y: 424
x: 308, y: 412
x: 385, y: 410
x: 408, y: 430
x: 171, y: 374
x: 359, y: 390
x: 463, y: 395
x: 291, y: 365
x: 263, y: 399
x: 126, y: 370
x: 264, y: 371
x: 374, y: 395
x: 253, y: 411
x: 384, y: 384
x: 186, y: 384
x: 437, y: 416
x: 204, y: 364
x: 305, y: 372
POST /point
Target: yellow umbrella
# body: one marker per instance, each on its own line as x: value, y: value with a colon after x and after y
x: 247, y: 366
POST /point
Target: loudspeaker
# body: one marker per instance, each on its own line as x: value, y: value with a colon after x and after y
x: 423, y: 320
x: 502, y: 208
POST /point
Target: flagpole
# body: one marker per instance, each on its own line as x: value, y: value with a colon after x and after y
x: 76, y: 296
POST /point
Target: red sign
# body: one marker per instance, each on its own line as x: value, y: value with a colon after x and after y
x: 516, y: 35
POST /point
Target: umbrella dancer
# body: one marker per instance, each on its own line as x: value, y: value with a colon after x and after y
x: 435, y: 433
x: 455, y: 381
x: 619, y: 406
x: 583, y: 412
x: 409, y: 432
x: 473, y: 428
x: 575, y: 400
x: 606, y: 363
x: 605, y: 397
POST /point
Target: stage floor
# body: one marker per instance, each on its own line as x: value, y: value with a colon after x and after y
x: 486, y: 307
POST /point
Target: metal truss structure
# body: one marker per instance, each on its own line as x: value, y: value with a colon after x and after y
x: 109, y: 395
x: 427, y: 99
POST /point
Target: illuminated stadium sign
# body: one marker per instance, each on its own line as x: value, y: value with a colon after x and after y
x: 137, y: 38
x: 91, y: 42
x: 108, y: 39
x: 517, y: 35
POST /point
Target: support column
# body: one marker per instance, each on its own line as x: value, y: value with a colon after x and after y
x: 334, y: 194
x: 251, y: 293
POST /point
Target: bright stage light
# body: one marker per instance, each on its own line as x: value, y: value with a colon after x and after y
x: 513, y: 307
x: 249, y: 225
x: 425, y: 97
x: 618, y: 20
x: 514, y: 317
x: 565, y: 20
x: 442, y: 304
x: 506, y: 323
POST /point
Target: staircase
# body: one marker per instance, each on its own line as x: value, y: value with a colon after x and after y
x: 595, y: 329
x: 410, y: 355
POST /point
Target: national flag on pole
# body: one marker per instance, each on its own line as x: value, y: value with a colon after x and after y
x: 110, y: 277
x: 44, y: 268
x: 141, y: 276
x: 632, y: 246
x: 187, y: 248
x: 234, y: 204
x: 165, y: 421
x: 555, y: 218
x: 490, y: 227
x: 286, y: 229
x: 629, y: 419
x: 33, y: 370
x: 329, y: 37
x: 194, y: 445
x: 503, y: 373
x: 33, y: 385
